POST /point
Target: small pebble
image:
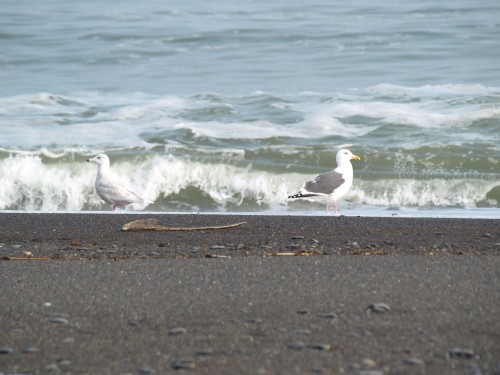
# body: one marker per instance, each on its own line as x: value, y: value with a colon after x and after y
x: 204, y: 352
x: 297, y: 345
x: 487, y: 235
x: 316, y: 346
x: 217, y: 247
x: 31, y: 349
x: 145, y: 370
x: 302, y: 311
x: 352, y: 244
x: 413, y: 361
x: 330, y: 315
x: 177, y: 331
x: 6, y: 350
x: 378, y: 307
x: 461, y: 353
x: 368, y: 362
x: 133, y: 322
x: 59, y: 320
x: 183, y: 363
x: 253, y: 320
x: 297, y: 237
x: 217, y: 256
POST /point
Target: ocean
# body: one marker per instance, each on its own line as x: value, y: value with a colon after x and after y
x: 230, y: 106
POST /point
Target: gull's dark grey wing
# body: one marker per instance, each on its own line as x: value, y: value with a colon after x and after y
x: 325, y: 183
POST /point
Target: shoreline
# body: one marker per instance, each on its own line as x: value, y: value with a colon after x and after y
x: 446, y: 213
x: 81, y: 236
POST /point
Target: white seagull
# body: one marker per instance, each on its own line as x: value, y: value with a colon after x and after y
x: 110, y: 190
x: 335, y: 183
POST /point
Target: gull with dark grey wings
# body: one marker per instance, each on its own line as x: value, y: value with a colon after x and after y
x: 335, y: 183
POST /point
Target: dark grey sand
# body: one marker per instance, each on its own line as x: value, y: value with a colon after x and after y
x: 112, y: 302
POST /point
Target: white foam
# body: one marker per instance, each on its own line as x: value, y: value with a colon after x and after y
x: 465, y: 193
x: 224, y: 184
x: 29, y: 184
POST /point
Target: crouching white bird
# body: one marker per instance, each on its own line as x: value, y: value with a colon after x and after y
x: 110, y: 190
x: 335, y: 183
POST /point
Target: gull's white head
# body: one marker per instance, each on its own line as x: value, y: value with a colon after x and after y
x: 345, y: 156
x: 101, y: 159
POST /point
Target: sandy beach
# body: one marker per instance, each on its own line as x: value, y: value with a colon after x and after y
x: 276, y: 295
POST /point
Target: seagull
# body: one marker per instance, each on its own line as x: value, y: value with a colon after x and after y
x: 335, y: 183
x: 110, y: 190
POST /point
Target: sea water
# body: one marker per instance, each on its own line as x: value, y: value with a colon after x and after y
x: 230, y: 106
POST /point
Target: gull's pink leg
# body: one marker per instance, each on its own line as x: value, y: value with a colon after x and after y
x: 326, y: 206
x: 335, y: 206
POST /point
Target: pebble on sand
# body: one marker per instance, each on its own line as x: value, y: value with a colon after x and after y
x: 177, y: 331
x: 460, y: 353
x: 413, y: 361
x: 297, y: 345
x: 378, y: 307
x: 183, y: 363
x: 318, y: 346
x: 59, y: 320
x: 204, y: 352
x: 31, y: 349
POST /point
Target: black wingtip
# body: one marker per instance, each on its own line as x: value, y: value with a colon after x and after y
x: 301, y: 195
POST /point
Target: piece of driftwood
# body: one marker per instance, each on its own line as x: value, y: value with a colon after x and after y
x: 152, y: 224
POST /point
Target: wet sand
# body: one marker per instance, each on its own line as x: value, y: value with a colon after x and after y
x: 277, y: 295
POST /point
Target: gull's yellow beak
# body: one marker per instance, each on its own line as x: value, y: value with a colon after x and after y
x: 355, y: 157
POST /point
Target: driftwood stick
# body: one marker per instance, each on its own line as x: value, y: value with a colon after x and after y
x: 152, y: 224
